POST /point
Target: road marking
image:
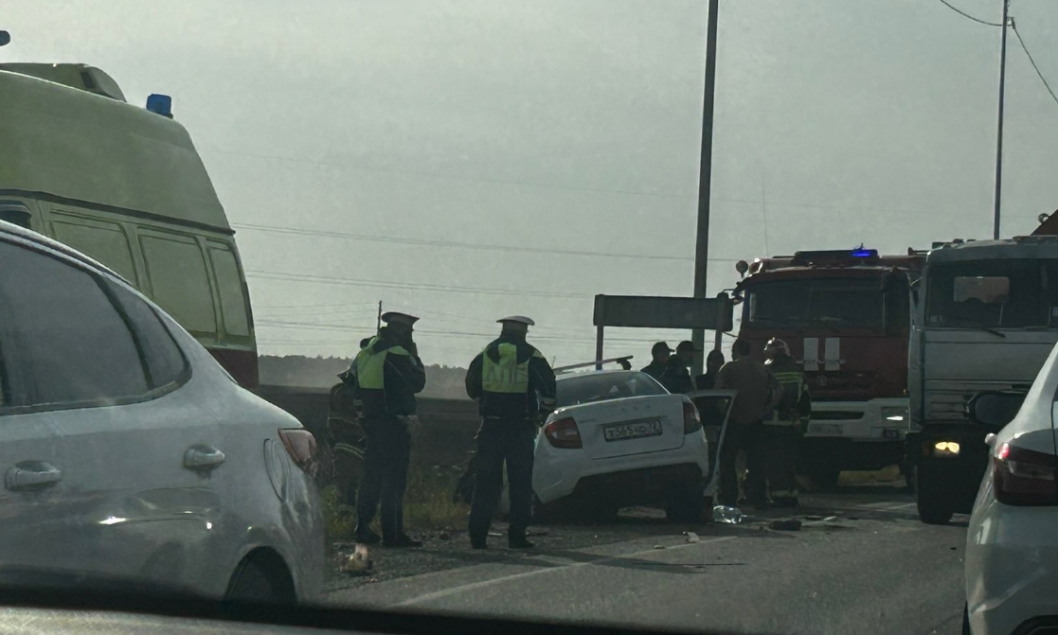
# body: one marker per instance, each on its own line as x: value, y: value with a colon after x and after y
x: 527, y: 574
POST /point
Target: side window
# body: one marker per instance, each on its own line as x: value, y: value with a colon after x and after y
x: 232, y: 298
x: 179, y: 282
x: 106, y: 242
x: 63, y: 340
x: 165, y: 363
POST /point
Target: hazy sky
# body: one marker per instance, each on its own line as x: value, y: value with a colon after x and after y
x: 477, y: 153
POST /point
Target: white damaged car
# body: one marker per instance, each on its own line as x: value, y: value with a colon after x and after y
x: 619, y: 439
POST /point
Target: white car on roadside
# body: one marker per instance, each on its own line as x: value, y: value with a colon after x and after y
x: 1011, y: 544
x: 129, y: 457
x: 618, y: 439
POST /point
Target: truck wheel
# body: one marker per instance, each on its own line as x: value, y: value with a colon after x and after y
x: 934, y: 508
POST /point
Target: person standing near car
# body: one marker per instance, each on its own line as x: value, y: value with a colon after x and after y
x: 713, y: 363
x: 756, y: 393
x: 782, y: 428
x: 514, y: 387
x: 676, y: 378
x: 388, y: 374
x: 659, y: 357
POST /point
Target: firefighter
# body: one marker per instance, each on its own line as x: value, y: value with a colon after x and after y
x: 387, y: 375
x: 782, y: 429
x: 513, y: 385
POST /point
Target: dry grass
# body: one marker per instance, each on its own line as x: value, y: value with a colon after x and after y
x: 428, y: 504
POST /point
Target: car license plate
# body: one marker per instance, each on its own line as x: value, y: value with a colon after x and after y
x: 635, y: 430
x: 825, y: 429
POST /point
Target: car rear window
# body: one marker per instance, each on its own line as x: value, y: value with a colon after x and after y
x: 591, y: 387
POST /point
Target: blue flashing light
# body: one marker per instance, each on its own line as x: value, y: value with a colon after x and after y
x: 160, y: 105
x: 864, y: 253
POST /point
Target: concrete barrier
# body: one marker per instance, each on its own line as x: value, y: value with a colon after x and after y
x: 445, y: 438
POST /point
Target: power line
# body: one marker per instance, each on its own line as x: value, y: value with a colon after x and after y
x: 292, y: 277
x: 461, y: 245
x: 1043, y: 79
x: 967, y: 15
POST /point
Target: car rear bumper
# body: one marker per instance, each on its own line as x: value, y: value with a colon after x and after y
x: 1011, y: 567
x: 639, y: 478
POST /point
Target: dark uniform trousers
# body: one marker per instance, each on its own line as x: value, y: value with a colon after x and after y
x: 385, y: 475
x: 499, y: 441
x: 747, y: 438
x: 780, y: 447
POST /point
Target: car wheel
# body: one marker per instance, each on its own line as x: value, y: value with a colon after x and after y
x: 933, y: 507
x: 261, y: 577
x: 686, y: 507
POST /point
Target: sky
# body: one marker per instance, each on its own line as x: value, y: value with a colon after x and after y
x: 463, y: 160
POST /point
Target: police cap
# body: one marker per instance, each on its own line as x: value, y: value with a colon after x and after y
x: 516, y: 323
x: 396, y: 317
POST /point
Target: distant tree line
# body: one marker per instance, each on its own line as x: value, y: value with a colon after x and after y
x: 442, y: 382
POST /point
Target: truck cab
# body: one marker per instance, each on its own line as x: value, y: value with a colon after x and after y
x: 845, y: 316
x: 984, y: 318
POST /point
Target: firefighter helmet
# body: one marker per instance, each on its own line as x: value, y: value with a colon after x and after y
x: 776, y: 346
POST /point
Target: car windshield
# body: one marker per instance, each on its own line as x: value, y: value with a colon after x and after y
x: 592, y: 387
x: 856, y: 302
x: 603, y: 313
x: 993, y: 293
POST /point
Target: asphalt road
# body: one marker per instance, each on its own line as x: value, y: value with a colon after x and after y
x: 873, y: 568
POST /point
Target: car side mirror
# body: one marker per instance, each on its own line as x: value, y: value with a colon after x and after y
x: 994, y: 409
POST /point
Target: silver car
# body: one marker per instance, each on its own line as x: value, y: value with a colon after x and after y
x: 128, y: 455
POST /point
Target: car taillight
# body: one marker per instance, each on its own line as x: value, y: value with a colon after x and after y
x: 563, y: 433
x: 301, y: 446
x: 1025, y: 477
x: 692, y: 422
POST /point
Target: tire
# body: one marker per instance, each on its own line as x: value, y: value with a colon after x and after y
x: 934, y: 508
x: 686, y: 507
x: 261, y: 577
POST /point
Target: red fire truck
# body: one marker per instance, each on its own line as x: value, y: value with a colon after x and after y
x: 845, y: 317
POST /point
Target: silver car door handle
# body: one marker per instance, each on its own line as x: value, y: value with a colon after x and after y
x: 30, y: 475
x: 202, y: 457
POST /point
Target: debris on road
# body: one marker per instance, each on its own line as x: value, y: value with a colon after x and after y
x: 786, y: 524
x: 358, y: 562
x: 729, y: 515
x: 691, y: 536
x: 444, y: 535
x: 659, y: 546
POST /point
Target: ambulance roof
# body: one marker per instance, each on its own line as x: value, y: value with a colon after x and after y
x: 79, y: 145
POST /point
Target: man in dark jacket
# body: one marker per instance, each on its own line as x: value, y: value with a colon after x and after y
x: 676, y: 377
x: 386, y: 376
x: 514, y: 387
x: 782, y: 428
x: 713, y: 363
x: 659, y: 357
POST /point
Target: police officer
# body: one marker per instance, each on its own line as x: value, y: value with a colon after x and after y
x: 387, y: 375
x: 783, y: 427
x: 513, y: 385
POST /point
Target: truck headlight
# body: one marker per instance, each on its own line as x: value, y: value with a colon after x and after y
x: 946, y: 448
x: 895, y: 414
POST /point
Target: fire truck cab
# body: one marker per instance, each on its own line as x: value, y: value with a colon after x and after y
x: 845, y: 316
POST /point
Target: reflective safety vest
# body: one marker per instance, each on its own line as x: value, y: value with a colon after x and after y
x: 371, y: 365
x: 793, y: 384
x: 507, y: 375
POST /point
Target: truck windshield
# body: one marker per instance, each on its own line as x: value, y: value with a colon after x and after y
x: 1011, y: 293
x: 816, y: 302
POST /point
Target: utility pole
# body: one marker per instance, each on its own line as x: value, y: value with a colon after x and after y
x: 701, y: 250
x: 378, y: 321
x: 999, y: 126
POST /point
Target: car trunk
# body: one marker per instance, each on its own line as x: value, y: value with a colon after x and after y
x: 635, y: 425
